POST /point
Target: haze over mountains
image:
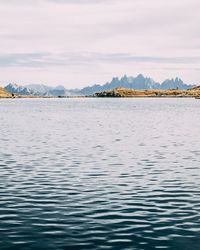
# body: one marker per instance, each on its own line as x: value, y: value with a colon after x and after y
x: 139, y: 83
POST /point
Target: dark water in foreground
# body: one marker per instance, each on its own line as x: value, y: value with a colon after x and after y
x: 100, y: 174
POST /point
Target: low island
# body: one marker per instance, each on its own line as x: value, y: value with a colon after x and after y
x: 123, y: 92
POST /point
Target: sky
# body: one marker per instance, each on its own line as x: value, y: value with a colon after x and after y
x: 77, y: 43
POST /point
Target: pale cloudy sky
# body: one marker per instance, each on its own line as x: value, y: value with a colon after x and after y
x: 82, y: 42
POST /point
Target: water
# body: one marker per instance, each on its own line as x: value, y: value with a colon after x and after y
x: 100, y: 174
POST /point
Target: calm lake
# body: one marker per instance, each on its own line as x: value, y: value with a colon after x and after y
x: 100, y: 174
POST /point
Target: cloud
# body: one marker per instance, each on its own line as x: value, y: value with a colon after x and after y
x: 35, y: 2
x: 84, y: 58
x: 111, y: 36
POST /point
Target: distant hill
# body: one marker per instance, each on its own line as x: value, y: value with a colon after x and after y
x: 138, y: 83
x: 196, y: 88
x: 4, y: 93
x: 176, y: 83
x: 62, y: 91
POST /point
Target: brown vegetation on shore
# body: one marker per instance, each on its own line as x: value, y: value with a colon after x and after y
x: 122, y: 92
x: 4, y: 93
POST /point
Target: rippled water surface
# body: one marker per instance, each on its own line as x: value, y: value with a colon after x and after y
x: 100, y: 174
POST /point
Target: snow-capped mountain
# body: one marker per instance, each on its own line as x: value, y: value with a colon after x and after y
x: 39, y: 89
x: 18, y: 90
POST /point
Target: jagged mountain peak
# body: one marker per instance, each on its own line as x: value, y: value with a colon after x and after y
x: 140, y: 76
x: 13, y: 85
x: 17, y: 89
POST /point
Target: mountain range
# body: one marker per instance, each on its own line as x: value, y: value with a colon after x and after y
x: 40, y: 90
x: 139, y: 83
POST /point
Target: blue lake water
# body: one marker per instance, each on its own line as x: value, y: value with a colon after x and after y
x: 100, y: 174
